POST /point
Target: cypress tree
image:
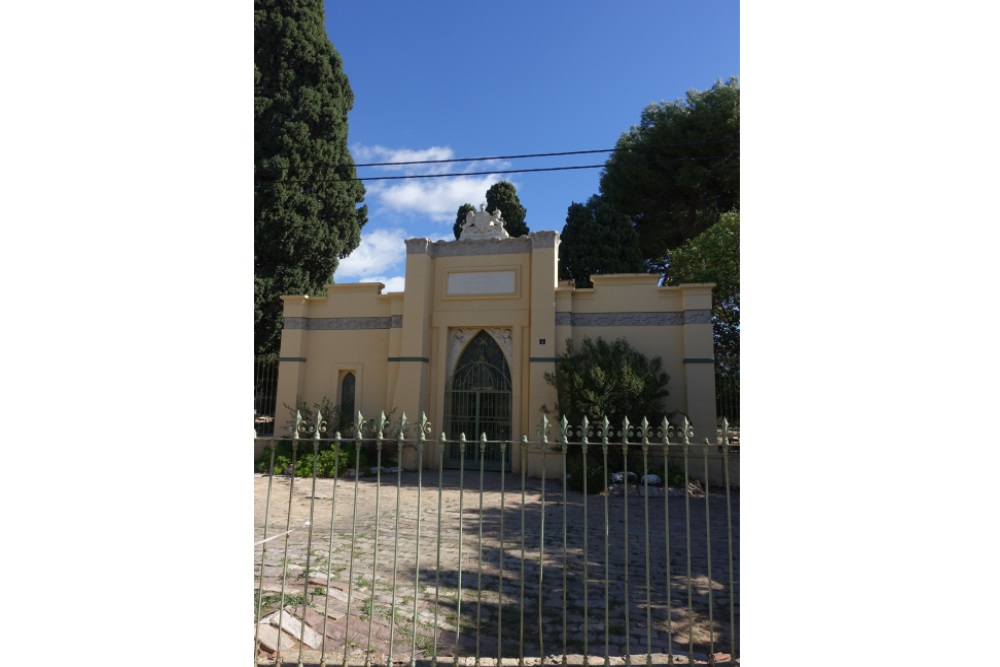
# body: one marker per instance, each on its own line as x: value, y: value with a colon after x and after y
x: 597, y: 239
x: 307, y: 211
x: 503, y: 195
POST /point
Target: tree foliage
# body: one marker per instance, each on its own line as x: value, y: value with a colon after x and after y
x: 714, y: 257
x: 597, y: 239
x: 503, y: 195
x: 677, y: 171
x: 307, y: 212
x: 463, y: 211
x: 608, y: 379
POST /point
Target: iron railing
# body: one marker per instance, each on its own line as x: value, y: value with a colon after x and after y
x: 436, y: 565
x: 265, y: 394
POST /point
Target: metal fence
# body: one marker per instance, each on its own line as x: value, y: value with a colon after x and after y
x: 265, y: 394
x: 630, y: 548
x: 727, y: 393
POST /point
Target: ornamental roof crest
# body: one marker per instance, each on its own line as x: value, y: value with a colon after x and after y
x: 481, y: 225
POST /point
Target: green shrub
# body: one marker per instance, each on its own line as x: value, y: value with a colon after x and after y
x: 327, y: 462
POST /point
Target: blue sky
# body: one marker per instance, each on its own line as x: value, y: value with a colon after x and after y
x: 470, y: 79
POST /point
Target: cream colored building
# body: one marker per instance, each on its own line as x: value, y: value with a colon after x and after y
x: 481, y: 321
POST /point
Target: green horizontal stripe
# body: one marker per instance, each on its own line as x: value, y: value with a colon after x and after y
x: 699, y: 361
x: 542, y: 359
x: 423, y: 359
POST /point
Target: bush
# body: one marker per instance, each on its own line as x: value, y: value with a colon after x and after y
x: 327, y: 462
x: 612, y: 380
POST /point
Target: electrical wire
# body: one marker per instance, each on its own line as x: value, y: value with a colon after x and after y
x: 638, y: 150
x: 534, y: 155
x: 474, y: 173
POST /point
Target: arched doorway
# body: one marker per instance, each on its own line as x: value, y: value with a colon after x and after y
x: 479, y: 401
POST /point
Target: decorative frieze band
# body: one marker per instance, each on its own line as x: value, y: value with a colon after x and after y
x: 697, y: 317
x: 633, y: 319
x: 340, y: 323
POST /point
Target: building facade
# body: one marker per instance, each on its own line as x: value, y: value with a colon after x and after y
x: 469, y: 341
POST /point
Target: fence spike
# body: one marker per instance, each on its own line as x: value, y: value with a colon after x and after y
x: 320, y: 425
x: 543, y: 429
x: 403, y: 426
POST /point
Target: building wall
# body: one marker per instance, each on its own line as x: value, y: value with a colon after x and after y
x: 402, y: 346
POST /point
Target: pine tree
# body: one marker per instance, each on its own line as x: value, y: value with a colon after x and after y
x: 307, y: 212
x: 677, y: 171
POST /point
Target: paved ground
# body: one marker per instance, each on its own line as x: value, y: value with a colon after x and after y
x: 585, y: 599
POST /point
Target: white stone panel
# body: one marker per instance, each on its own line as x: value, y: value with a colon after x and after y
x: 481, y: 282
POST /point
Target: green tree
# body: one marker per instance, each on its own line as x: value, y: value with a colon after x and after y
x: 597, y: 239
x: 307, y: 208
x: 503, y: 195
x: 677, y: 171
x: 608, y: 379
x: 714, y: 257
x: 463, y: 210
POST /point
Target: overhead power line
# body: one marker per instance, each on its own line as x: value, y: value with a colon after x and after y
x: 534, y: 155
x: 484, y: 159
x: 476, y: 173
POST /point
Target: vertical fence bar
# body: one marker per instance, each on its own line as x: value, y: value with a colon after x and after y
x: 524, y: 468
x: 358, y: 442
x: 263, y: 553
x: 288, y: 530
x: 379, y: 434
x: 479, y: 567
x: 424, y: 428
x: 708, y: 559
x: 628, y: 629
x: 586, y: 550
x: 729, y: 529
x: 685, y: 444
x: 644, y: 426
x: 607, y: 541
x: 666, y: 531
x: 437, y: 566
x: 395, y: 546
x: 565, y: 582
x: 329, y: 551
x: 543, y: 437
x: 503, y: 494
x: 461, y: 540
x: 317, y: 432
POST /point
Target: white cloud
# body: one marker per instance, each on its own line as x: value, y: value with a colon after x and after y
x: 436, y: 198
x: 379, y: 250
x: 363, y: 153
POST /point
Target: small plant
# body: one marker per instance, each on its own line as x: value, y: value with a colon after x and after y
x: 366, y: 608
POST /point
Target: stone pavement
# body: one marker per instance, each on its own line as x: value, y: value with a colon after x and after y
x: 603, y: 585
